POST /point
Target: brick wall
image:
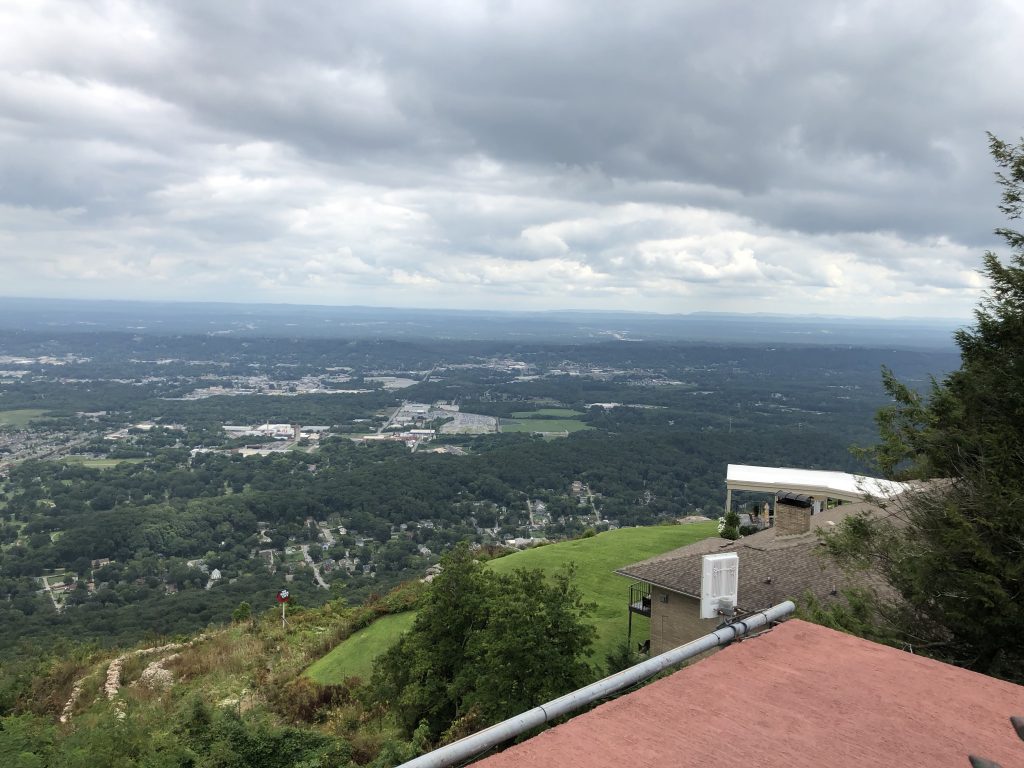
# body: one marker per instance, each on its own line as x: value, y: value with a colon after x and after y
x: 791, y: 521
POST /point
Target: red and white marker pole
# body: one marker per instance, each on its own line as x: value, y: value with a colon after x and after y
x: 282, y: 598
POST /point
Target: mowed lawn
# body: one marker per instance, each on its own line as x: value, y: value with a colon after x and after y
x: 94, y: 463
x: 551, y: 420
x: 596, y: 558
x: 354, y: 657
x: 20, y: 417
x: 542, y: 425
x: 557, y: 413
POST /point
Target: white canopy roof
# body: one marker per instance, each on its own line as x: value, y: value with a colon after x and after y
x: 813, y: 482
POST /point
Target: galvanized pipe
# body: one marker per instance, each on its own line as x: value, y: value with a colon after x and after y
x: 473, y: 745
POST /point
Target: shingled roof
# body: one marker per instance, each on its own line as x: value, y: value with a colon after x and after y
x: 772, y: 568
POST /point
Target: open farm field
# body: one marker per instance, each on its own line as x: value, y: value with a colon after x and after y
x: 20, y: 417
x: 595, y: 559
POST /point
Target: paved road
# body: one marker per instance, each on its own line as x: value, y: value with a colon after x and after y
x: 316, y: 570
x: 51, y: 594
x: 391, y: 418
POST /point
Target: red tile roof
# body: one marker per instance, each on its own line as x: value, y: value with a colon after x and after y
x: 799, y: 695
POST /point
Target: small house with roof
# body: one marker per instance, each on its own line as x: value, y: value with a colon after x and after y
x: 783, y: 561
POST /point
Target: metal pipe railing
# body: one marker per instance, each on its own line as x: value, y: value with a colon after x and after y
x: 473, y: 745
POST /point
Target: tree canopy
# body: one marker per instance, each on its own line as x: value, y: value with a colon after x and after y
x: 954, y: 551
x: 485, y: 647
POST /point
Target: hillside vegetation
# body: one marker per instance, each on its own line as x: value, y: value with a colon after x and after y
x: 238, y: 695
x: 595, y: 559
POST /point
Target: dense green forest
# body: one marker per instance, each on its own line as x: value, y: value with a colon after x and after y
x: 130, y: 516
x: 131, y: 545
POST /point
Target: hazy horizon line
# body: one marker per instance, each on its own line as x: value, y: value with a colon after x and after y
x: 491, y: 311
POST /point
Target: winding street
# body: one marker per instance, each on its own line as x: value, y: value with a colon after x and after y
x: 316, y: 570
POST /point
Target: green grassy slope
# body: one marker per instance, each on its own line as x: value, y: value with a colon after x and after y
x: 354, y: 657
x: 595, y: 558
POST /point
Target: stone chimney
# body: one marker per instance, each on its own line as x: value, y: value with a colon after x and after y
x: 792, y: 515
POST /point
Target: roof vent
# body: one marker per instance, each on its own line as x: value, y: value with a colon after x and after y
x: 719, y: 585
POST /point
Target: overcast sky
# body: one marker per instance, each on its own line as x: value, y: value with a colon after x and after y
x: 661, y: 156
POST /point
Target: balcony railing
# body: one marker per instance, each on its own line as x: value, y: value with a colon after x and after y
x: 640, y: 598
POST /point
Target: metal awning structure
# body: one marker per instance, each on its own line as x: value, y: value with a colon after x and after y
x: 812, y: 482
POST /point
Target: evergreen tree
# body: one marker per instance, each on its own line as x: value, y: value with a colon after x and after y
x: 953, y: 552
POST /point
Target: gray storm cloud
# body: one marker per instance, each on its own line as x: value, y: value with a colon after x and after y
x: 655, y: 156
